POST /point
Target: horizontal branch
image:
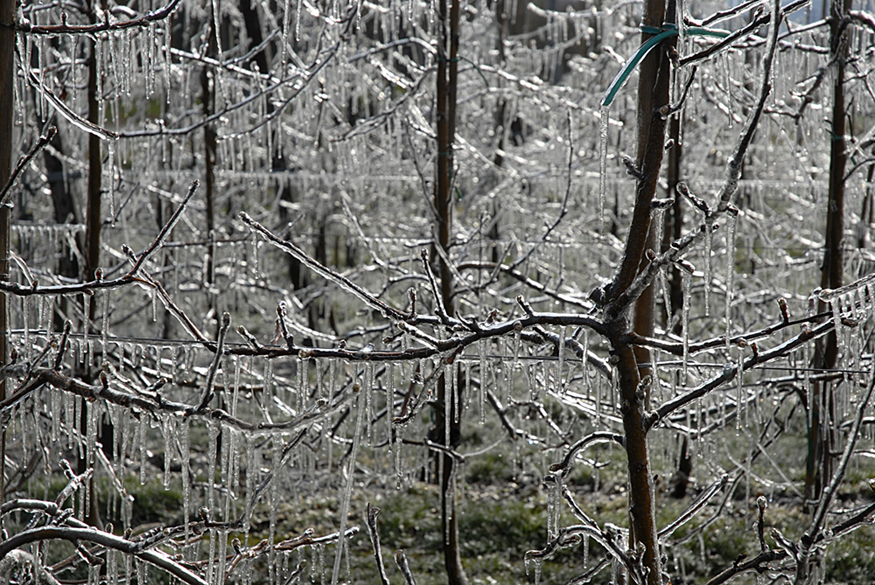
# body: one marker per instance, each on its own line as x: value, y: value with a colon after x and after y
x: 729, y: 372
x: 92, y: 286
x: 564, y: 466
x: 677, y: 349
x: 323, y: 271
x: 105, y: 26
x: 741, y: 33
x: 531, y: 283
x: 105, y: 539
x: 155, y: 404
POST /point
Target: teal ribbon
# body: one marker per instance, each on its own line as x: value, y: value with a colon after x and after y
x: 666, y: 32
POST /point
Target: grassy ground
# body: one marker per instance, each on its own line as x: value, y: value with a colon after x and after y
x: 503, y: 513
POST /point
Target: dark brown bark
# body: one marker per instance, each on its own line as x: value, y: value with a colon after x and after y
x: 208, y: 98
x: 93, y: 219
x: 7, y: 79
x: 819, y: 463
x: 446, y: 127
x: 93, y: 225
x: 653, y: 94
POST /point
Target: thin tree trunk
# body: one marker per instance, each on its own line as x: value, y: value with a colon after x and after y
x: 208, y: 98
x: 7, y: 79
x: 93, y: 224
x: 819, y: 464
x: 446, y: 128
x: 653, y: 94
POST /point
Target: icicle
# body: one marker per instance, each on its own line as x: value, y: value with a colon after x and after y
x: 86, y: 326
x: 320, y: 386
x: 390, y: 401
x: 332, y: 377
x: 687, y: 282
x: 730, y: 274
x: 399, y: 473
x: 168, y: 446
x: 149, y: 55
x: 274, y: 498
x: 482, y: 401
x: 739, y: 389
x: 449, y: 398
x: 268, y: 387
x: 837, y: 323
x: 92, y: 410
x: 347, y: 493
x: 454, y: 372
x: 141, y: 446
x: 104, y: 326
x: 256, y: 245
x: 185, y: 455
x: 25, y: 309
x: 517, y: 344
x: 251, y: 471
x: 709, y: 238
x: 553, y: 505
x: 537, y: 565
x: 724, y: 63
x: 561, y: 364
x: 583, y: 364
x: 168, y: 61
x: 304, y: 388
x: 604, y: 117
x: 368, y: 383
x: 56, y: 413
x: 110, y: 149
x: 297, y: 21
x: 467, y: 377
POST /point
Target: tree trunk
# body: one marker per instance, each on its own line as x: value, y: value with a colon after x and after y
x: 7, y: 80
x: 653, y: 94
x: 446, y: 129
x: 65, y: 210
x: 819, y: 464
x: 208, y: 99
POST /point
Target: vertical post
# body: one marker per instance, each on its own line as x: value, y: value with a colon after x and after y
x: 7, y: 79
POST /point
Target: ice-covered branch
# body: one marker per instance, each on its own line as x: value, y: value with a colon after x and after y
x: 131, y: 277
x: 595, y: 438
x: 104, y: 539
x: 214, y: 366
x: 758, y: 21
x: 155, y: 404
x: 90, y: 29
x: 813, y: 530
x: 43, y: 141
x: 323, y: 271
x: 677, y: 349
x: 695, y: 507
x: 730, y: 371
x: 529, y: 282
x: 371, y: 514
x: 678, y: 248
